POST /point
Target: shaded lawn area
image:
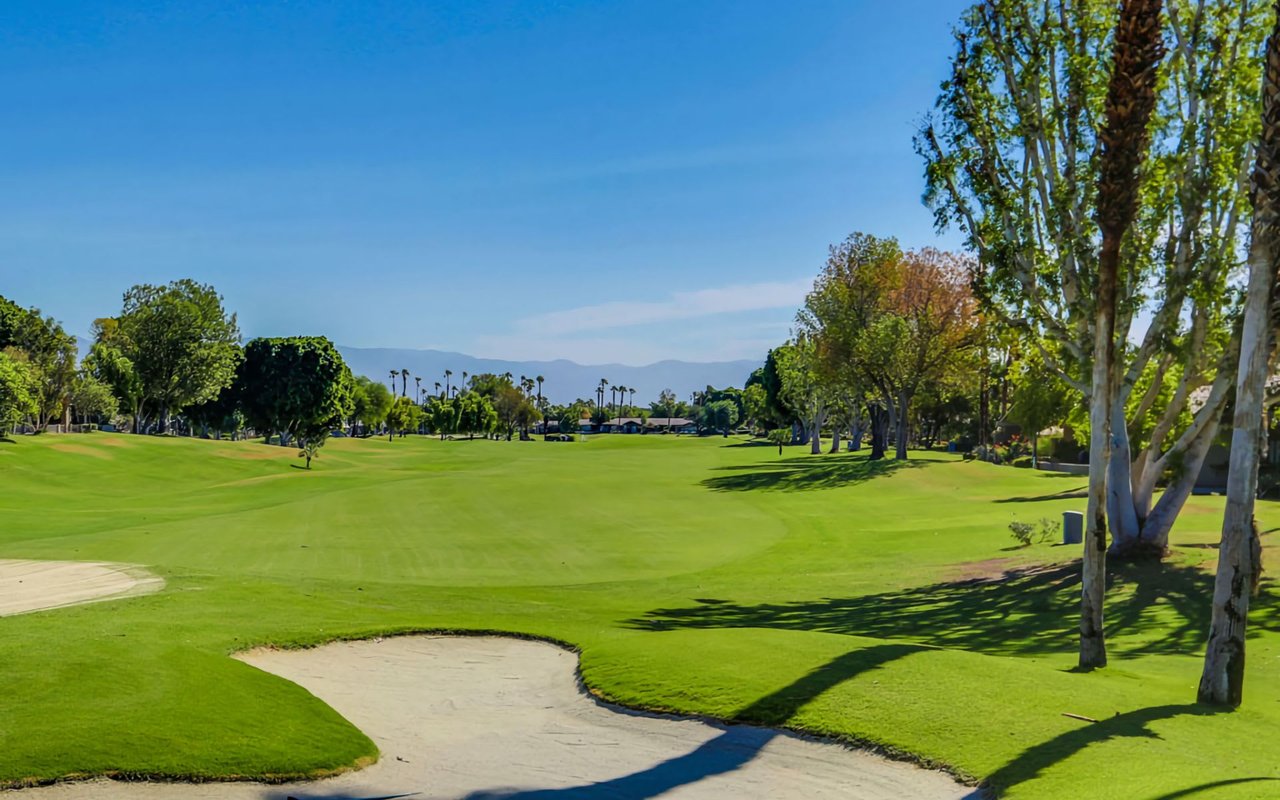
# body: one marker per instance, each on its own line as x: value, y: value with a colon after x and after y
x: 872, y: 601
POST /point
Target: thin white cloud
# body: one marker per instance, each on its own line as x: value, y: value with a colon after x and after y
x: 678, y: 306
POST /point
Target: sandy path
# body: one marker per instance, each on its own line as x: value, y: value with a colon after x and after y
x: 38, y: 585
x: 488, y: 718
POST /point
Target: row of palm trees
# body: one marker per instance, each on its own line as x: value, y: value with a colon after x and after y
x: 527, y: 385
x: 616, y: 393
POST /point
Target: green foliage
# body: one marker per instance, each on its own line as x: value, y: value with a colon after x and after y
x: 183, y: 345
x: 780, y: 437
x: 297, y: 386
x: 444, y: 417
x: 12, y: 319
x: 1039, y: 398
x: 49, y: 353
x: 371, y: 401
x: 90, y: 398
x: 404, y: 416
x: 18, y: 389
x: 754, y: 404
x: 1025, y: 533
x: 222, y: 413
x: 311, y: 447
x: 106, y: 363
x: 721, y: 415
x: 476, y: 415
x: 668, y: 405
x: 779, y: 414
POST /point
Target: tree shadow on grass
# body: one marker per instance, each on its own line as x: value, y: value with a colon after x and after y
x: 1153, y: 608
x: 1032, y: 762
x: 1065, y: 494
x: 1192, y: 791
x: 733, y: 748
x: 804, y: 473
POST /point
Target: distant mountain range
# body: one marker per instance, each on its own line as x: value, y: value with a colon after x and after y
x: 564, y: 380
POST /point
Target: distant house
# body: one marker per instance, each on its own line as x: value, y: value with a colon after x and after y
x: 673, y: 424
x: 623, y: 425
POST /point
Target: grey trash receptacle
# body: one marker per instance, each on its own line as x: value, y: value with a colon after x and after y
x: 1072, y: 527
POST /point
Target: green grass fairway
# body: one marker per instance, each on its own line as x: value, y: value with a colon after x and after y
x: 695, y: 575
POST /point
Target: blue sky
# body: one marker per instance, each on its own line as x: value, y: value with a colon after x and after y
x: 601, y: 181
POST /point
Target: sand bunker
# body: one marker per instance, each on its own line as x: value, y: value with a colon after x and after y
x: 39, y: 585
x: 489, y: 718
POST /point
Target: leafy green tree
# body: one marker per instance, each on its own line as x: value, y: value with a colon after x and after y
x: 90, y: 398
x: 12, y: 318
x: 18, y: 388
x: 404, y: 417
x: 1013, y: 158
x: 222, y: 413
x: 780, y: 437
x: 311, y: 448
x: 296, y: 386
x: 754, y: 405
x: 182, y: 343
x: 370, y: 403
x: 476, y: 415
x: 444, y: 417
x: 721, y: 415
x: 802, y: 391
x: 1039, y: 400
x: 106, y: 363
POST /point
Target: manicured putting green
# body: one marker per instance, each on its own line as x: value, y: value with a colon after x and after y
x: 825, y: 593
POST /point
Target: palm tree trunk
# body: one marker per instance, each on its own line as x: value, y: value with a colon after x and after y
x: 1239, y: 555
x: 1130, y: 102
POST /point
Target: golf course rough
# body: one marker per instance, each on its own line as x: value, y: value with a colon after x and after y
x: 882, y: 604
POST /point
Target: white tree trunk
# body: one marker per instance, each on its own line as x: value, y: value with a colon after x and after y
x: 1126, y: 529
x: 1222, y: 681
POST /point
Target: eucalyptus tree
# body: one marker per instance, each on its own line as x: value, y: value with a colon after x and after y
x: 887, y: 322
x: 802, y: 390
x: 1015, y: 153
x: 1240, y: 552
x: 183, y: 345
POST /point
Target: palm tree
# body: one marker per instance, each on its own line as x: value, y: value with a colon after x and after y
x: 631, y: 391
x: 464, y: 380
x: 438, y: 388
x: 417, y: 385
x: 404, y: 383
x: 1131, y: 100
x: 600, y: 390
x: 395, y: 373
x: 447, y: 374
x: 539, y: 379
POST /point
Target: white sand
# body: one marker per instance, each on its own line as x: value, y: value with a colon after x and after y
x: 487, y: 718
x: 38, y: 585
